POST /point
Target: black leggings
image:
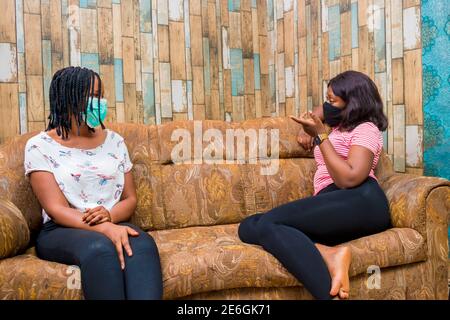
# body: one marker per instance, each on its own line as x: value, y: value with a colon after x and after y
x: 331, y: 217
x: 96, y: 255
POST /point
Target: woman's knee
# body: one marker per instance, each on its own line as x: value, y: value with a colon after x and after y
x: 245, y: 226
x: 144, y: 243
x: 99, y: 246
x: 266, y: 229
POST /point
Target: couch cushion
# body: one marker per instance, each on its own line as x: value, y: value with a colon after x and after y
x: 185, y: 195
x: 203, y: 259
x: 26, y: 277
x: 200, y: 259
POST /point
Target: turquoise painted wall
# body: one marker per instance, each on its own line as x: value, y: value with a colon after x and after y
x: 436, y: 87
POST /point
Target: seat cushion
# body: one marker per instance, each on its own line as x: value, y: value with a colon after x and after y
x: 27, y: 277
x: 200, y: 259
x: 203, y: 259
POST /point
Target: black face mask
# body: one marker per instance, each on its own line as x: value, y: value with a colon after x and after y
x: 331, y: 114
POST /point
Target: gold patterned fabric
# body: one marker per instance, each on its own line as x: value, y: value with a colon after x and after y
x: 189, y: 266
x: 406, y: 194
x: 196, y: 260
x: 14, y: 233
x: 193, y: 210
x: 13, y: 184
x: 174, y: 196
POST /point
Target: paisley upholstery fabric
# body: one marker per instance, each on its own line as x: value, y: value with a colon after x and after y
x: 190, y: 267
x: 13, y: 184
x: 201, y: 259
x: 193, y: 210
x: 406, y: 194
x: 14, y: 233
x: 202, y: 194
x: 28, y: 277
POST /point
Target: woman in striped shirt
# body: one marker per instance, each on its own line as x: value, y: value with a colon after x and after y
x: 347, y: 203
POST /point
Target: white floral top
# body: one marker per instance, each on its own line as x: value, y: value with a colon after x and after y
x: 88, y: 178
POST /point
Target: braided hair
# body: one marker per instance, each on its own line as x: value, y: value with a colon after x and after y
x: 69, y: 95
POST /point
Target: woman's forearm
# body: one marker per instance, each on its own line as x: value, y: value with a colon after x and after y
x: 71, y: 218
x: 123, y: 210
x: 339, y: 170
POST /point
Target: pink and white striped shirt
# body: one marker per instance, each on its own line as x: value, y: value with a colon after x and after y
x: 366, y: 134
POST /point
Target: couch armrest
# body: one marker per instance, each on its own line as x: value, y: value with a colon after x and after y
x: 14, y: 232
x: 423, y: 204
x: 409, y: 197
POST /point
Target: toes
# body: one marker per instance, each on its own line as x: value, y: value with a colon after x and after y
x: 345, y: 287
x: 343, y: 294
x: 335, y: 285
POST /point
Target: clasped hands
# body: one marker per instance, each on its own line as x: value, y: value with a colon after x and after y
x: 96, y: 215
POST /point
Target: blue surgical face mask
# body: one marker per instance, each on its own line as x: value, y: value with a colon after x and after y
x: 93, y: 119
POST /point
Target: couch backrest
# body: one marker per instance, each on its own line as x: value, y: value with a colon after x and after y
x: 174, y: 195
x: 14, y: 186
x: 199, y: 193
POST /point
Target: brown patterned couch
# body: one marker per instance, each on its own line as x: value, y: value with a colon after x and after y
x: 193, y: 211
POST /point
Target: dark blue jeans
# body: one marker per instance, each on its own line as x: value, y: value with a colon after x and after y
x: 96, y: 255
x: 289, y: 232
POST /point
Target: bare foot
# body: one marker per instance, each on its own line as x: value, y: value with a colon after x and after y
x: 338, y: 261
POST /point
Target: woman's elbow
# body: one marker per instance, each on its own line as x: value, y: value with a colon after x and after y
x: 56, y: 212
x: 349, y: 182
x: 134, y: 203
x: 132, y: 200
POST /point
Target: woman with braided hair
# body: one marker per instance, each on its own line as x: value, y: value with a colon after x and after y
x: 80, y: 172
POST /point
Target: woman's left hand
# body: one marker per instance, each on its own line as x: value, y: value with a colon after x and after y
x: 311, y: 123
x: 96, y: 215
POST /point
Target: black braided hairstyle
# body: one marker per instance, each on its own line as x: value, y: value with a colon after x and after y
x: 69, y: 94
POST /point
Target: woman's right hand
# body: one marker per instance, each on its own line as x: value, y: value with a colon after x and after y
x: 119, y: 236
x: 305, y: 140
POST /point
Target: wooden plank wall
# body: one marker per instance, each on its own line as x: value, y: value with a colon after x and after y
x: 317, y: 39
x: 165, y: 60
